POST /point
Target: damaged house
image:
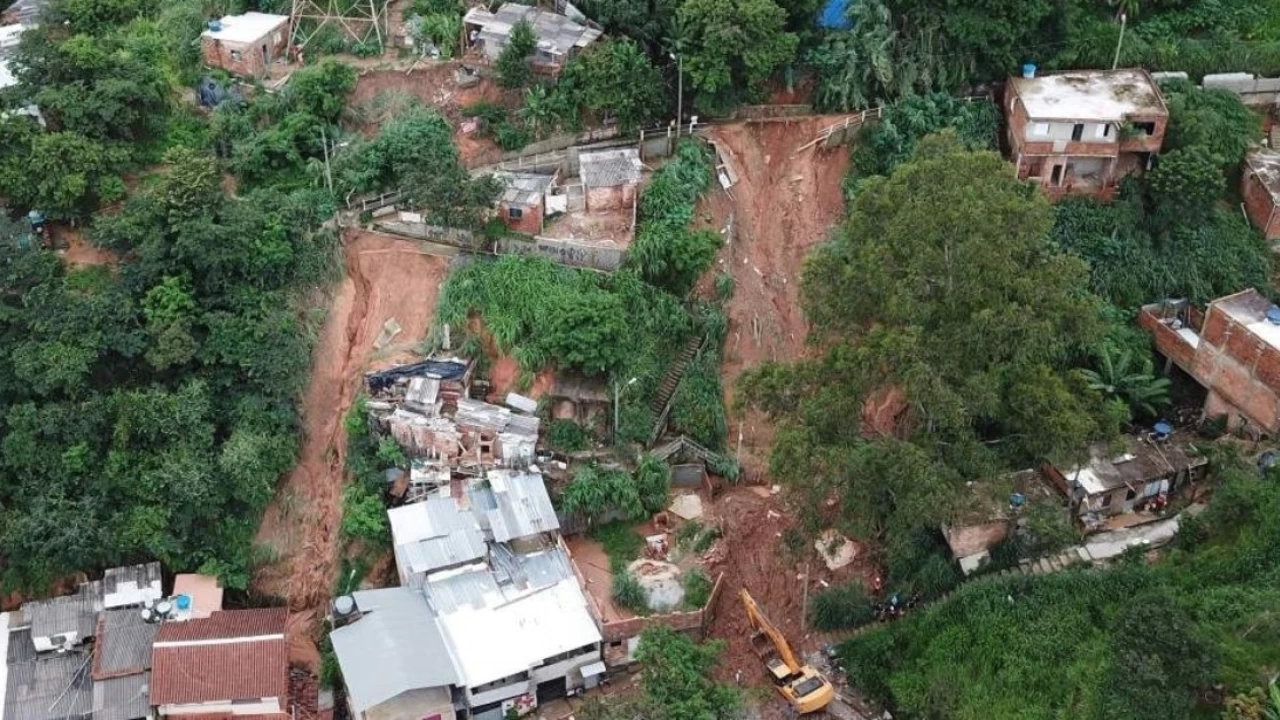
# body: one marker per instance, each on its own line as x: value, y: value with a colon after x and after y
x: 559, y: 38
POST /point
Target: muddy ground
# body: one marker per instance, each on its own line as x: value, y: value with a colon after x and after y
x: 783, y: 205
x: 385, y: 278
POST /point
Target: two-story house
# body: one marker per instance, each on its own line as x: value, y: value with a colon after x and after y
x: 1080, y: 133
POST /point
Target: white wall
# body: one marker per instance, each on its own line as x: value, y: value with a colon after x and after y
x: 564, y: 668
x: 1050, y: 131
x: 262, y: 707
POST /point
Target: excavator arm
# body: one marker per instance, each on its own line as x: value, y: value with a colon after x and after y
x: 760, y: 623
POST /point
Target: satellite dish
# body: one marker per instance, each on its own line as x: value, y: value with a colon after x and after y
x: 164, y: 607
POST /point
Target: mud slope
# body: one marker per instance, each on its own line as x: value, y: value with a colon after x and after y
x: 784, y: 204
x: 386, y: 278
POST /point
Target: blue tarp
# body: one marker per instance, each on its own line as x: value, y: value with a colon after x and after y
x: 835, y: 15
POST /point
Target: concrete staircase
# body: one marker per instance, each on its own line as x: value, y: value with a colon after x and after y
x: 661, y: 405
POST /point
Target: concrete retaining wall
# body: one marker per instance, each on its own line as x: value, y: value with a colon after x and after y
x: 565, y: 252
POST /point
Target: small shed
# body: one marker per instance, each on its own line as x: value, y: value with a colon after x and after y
x: 245, y: 44
x: 610, y: 178
x: 1260, y: 188
x: 523, y: 203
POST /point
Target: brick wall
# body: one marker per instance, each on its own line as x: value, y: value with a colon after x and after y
x: 1260, y: 205
x: 245, y: 58
x: 617, y: 197
x: 529, y: 222
x: 1168, y: 342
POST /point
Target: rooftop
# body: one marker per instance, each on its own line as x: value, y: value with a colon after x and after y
x: 1099, y: 95
x: 122, y: 698
x: 26, y: 12
x: 204, y: 590
x: 63, y: 615
x: 131, y: 585
x: 556, y: 33
x: 1249, y: 308
x: 436, y: 533
x: 1137, y: 462
x: 247, y: 28
x: 1265, y: 164
x: 9, y: 35
x: 524, y: 188
x: 390, y: 648
x: 241, y: 654
x: 55, y: 686
x: 123, y: 644
x: 610, y: 168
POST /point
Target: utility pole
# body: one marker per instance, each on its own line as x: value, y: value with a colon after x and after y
x: 1123, y: 21
x: 679, y: 90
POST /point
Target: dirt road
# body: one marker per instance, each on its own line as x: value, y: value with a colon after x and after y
x: 386, y: 278
x: 782, y: 206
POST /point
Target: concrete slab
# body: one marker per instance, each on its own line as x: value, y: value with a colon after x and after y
x: 687, y: 507
x: 836, y: 550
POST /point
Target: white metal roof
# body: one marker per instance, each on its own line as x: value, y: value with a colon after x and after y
x: 1099, y: 95
x: 436, y: 533
x: 9, y: 35
x: 495, y: 642
x: 247, y: 28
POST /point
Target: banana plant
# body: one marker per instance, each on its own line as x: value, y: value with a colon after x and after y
x: 1119, y: 377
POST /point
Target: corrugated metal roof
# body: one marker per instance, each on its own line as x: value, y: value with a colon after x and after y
x: 436, y: 533
x: 393, y: 647
x: 556, y: 33
x: 62, y: 615
x: 123, y: 645
x: 524, y: 188
x: 56, y: 686
x: 609, y: 168
x: 131, y: 585
x: 524, y: 508
x: 122, y: 698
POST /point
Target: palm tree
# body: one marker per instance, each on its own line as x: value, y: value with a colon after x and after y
x: 1140, y: 388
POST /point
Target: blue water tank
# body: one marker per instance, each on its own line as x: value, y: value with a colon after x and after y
x: 1017, y: 500
x: 835, y: 15
x: 183, y: 602
x: 1273, y: 315
x: 215, y: 25
x: 1029, y: 70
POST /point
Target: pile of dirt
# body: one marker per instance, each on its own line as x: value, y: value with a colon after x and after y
x: 754, y: 523
x: 783, y: 205
x: 386, y: 278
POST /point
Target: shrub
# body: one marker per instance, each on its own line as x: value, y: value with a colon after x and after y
x: 628, y: 594
x: 653, y: 480
x: 513, y: 61
x: 696, y: 537
x: 697, y: 589
x: 841, y: 607
x: 567, y: 436
x: 621, y: 543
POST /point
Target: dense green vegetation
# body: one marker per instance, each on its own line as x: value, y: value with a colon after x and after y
x: 1133, y: 641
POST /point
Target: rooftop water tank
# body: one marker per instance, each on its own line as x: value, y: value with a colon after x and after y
x: 163, y: 608
x: 1273, y: 315
x: 183, y: 602
x: 215, y: 25
x: 1029, y: 70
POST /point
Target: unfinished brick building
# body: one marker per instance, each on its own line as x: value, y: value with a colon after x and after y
x: 1232, y: 349
x: 1260, y: 188
x: 1080, y: 133
x: 245, y: 44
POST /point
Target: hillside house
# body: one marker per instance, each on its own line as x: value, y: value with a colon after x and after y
x: 1138, y: 477
x: 1260, y: 188
x: 610, y: 178
x: 232, y: 663
x: 489, y: 616
x: 22, y: 12
x: 558, y: 38
x: 1081, y: 132
x: 245, y: 44
x: 522, y: 206
x: 1231, y: 348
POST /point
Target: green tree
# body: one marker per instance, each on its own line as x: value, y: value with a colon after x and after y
x: 653, y: 480
x: 676, y: 677
x: 69, y: 174
x: 595, y: 491
x: 513, y: 61
x: 1185, y: 185
x: 1212, y: 119
x: 321, y: 89
x: 954, y: 298
x: 730, y: 47
x: 616, y: 76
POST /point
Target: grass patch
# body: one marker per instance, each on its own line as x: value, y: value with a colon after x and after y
x: 621, y: 543
x: 567, y: 436
x: 627, y: 593
x: 695, y: 537
x: 697, y: 589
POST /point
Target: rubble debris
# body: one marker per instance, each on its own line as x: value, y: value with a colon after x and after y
x: 687, y: 507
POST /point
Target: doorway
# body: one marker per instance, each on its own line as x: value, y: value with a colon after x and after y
x: 1056, y: 177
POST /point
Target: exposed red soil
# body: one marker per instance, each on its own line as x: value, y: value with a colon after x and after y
x: 753, y: 523
x: 783, y: 205
x: 504, y: 377
x: 431, y: 82
x: 76, y: 251
x: 386, y: 278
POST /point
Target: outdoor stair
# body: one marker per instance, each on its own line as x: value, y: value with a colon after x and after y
x: 661, y: 405
x: 1275, y: 136
x: 670, y: 449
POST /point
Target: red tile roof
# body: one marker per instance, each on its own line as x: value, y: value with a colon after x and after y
x: 220, y: 658
x: 227, y: 624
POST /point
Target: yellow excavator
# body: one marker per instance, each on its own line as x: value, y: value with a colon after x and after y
x: 804, y: 687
